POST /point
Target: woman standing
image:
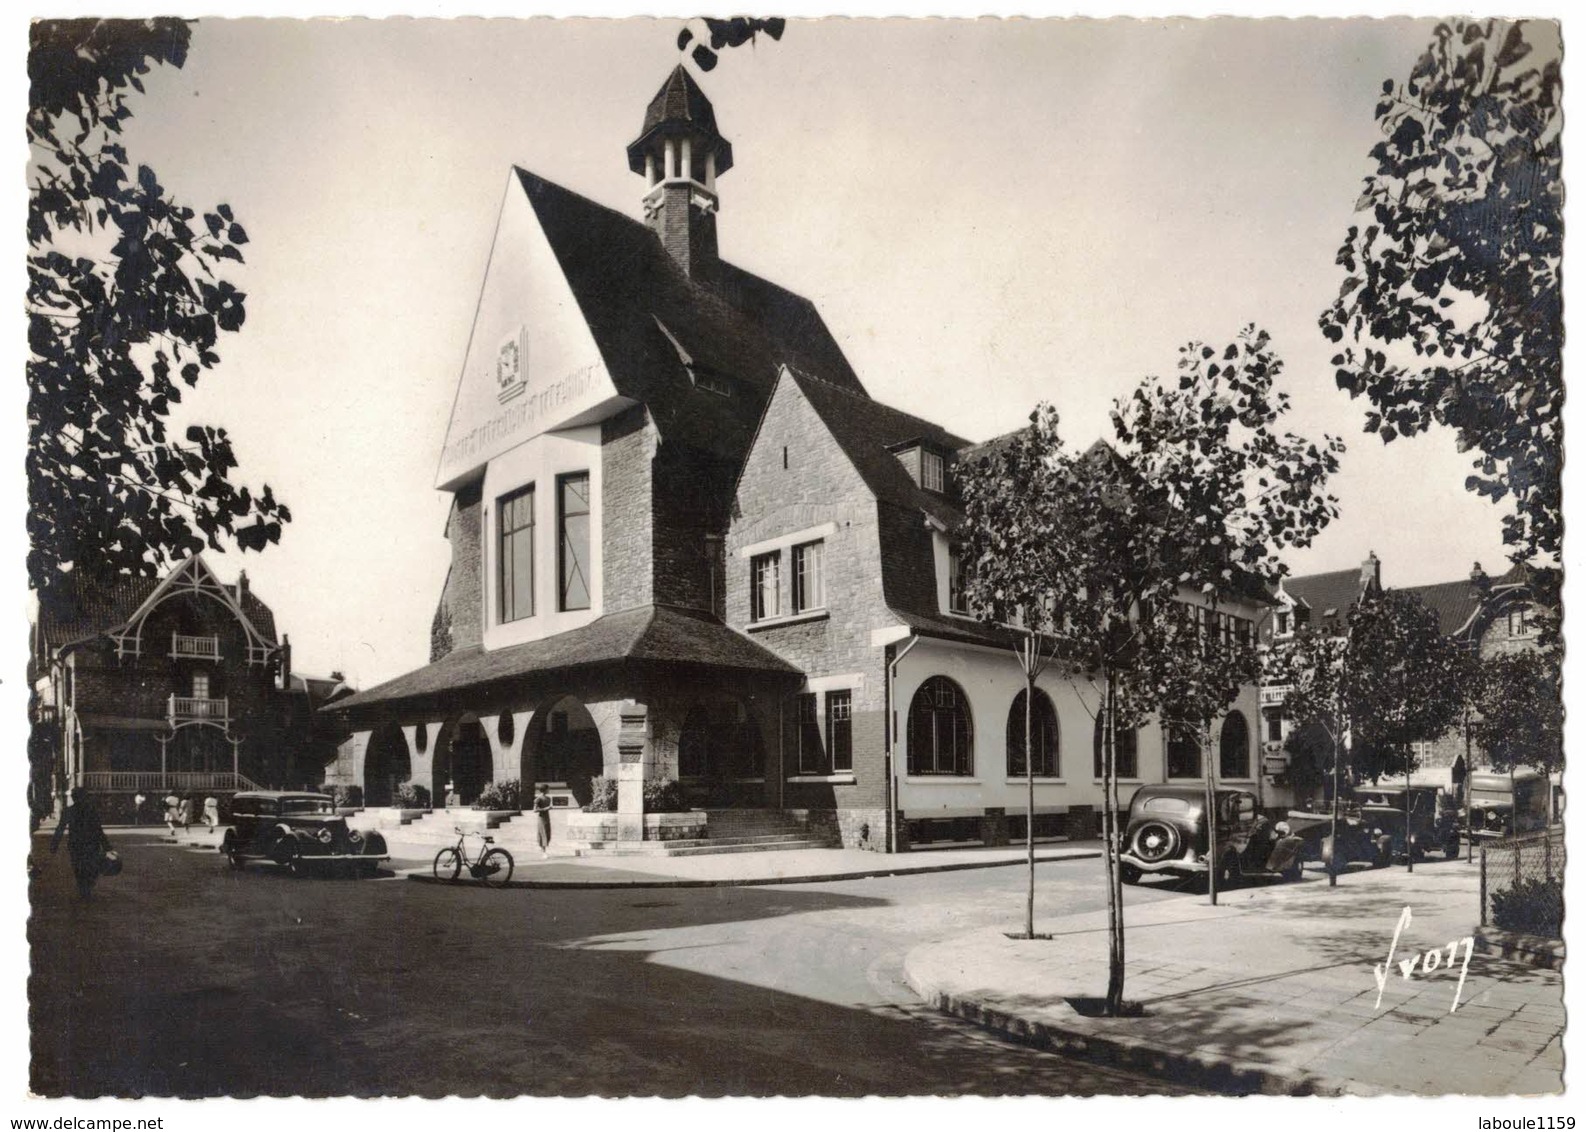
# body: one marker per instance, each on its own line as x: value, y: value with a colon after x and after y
x: 542, y: 811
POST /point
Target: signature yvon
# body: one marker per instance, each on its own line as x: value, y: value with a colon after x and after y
x: 1429, y: 962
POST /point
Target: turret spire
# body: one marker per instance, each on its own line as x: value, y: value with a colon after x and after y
x: 681, y: 153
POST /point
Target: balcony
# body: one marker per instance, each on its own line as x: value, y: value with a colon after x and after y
x: 1274, y: 695
x: 191, y: 709
x: 194, y: 648
x: 155, y: 781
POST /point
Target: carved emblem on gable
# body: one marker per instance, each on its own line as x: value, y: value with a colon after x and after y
x: 509, y: 368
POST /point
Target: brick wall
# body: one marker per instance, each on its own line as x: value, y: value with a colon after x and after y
x: 462, y: 595
x: 628, y: 447
x: 778, y: 494
x: 689, y: 502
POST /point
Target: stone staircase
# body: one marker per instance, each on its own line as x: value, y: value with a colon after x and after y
x: 729, y: 831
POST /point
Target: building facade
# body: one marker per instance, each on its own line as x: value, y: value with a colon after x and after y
x: 153, y: 685
x: 688, y: 546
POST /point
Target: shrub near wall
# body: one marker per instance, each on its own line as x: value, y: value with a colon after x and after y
x: 504, y: 795
x: 412, y: 796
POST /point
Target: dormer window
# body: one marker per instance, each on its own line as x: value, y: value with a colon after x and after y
x: 933, y: 474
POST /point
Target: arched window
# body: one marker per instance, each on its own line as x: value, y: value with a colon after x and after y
x: 1128, y: 744
x: 1043, y: 733
x: 941, y: 737
x: 1234, y: 754
x: 1183, y: 752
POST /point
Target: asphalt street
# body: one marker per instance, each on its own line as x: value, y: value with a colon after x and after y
x: 184, y: 978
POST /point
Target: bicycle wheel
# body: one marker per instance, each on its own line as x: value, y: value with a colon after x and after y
x: 498, y: 868
x: 448, y: 863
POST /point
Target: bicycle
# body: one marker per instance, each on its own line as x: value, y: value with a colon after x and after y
x: 493, y: 865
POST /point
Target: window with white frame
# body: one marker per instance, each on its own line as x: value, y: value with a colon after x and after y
x: 1520, y: 622
x: 933, y: 472
x: 956, y: 602
x: 809, y: 577
x: 515, y: 555
x: 811, y: 756
x: 765, y: 586
x: 572, y: 514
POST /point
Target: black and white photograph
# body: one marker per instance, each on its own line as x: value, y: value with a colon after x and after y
x: 760, y: 556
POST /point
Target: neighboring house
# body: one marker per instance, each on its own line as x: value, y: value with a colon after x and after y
x: 1487, y: 615
x: 157, y: 685
x: 687, y: 545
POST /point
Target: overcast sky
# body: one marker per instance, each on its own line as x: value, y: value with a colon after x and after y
x: 987, y: 213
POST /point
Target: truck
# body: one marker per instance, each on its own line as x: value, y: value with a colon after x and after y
x: 1505, y: 804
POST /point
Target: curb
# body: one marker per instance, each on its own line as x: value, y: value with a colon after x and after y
x: 753, y: 882
x: 1223, y: 1076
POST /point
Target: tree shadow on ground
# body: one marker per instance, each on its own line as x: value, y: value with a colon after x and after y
x: 215, y: 982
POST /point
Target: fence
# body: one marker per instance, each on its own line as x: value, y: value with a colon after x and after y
x: 1522, y: 883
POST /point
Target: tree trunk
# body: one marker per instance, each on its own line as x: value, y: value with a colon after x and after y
x: 1113, y: 847
x: 1029, y: 784
x: 1213, y: 860
x: 1338, y: 758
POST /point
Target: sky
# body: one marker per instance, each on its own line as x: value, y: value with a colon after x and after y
x: 988, y: 214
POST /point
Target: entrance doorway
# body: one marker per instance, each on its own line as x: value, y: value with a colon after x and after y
x: 386, y: 766
x: 563, y: 745
x: 465, y: 763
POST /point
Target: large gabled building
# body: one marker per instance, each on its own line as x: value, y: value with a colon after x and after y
x: 687, y: 545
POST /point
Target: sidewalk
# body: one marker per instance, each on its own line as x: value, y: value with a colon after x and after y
x: 1274, y: 990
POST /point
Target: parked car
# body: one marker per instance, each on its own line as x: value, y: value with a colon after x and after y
x: 1167, y: 834
x: 1359, y: 839
x: 1502, y: 804
x: 298, y: 830
x: 1434, y: 821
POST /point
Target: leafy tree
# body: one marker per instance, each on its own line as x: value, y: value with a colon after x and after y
x: 724, y: 33
x: 1521, y: 713
x: 1135, y: 546
x: 125, y: 306
x: 1452, y: 309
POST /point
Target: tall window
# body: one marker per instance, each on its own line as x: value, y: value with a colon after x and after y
x: 1127, y: 755
x: 809, y: 577
x: 200, y: 685
x: 1519, y: 623
x: 516, y: 555
x: 1043, y: 734
x: 765, y: 586
x: 840, y: 729
x: 1183, y: 752
x: 932, y: 474
x: 811, y: 758
x: 940, y: 734
x: 956, y: 602
x: 1234, y: 750
x: 572, y: 521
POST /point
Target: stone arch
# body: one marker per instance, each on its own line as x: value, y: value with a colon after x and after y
x: 386, y: 765
x: 563, y: 744
x: 462, y: 759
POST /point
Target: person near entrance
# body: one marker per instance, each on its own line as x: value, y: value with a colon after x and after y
x: 173, y: 813
x: 542, y: 812
x: 137, y: 807
x: 86, y: 842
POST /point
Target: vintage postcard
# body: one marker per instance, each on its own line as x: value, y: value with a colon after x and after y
x: 775, y: 557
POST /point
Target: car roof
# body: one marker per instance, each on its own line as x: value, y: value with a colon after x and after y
x: 1169, y: 790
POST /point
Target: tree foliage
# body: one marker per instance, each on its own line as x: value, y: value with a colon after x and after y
x: 1391, y: 680
x: 1451, y: 308
x: 1127, y: 551
x: 1521, y: 711
x: 126, y: 304
x: 724, y: 33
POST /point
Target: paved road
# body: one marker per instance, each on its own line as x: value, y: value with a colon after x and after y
x: 183, y: 978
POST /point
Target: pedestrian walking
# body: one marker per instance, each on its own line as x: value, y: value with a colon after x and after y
x: 173, y: 813
x: 453, y: 799
x: 137, y: 807
x: 212, y: 812
x: 184, y: 812
x: 86, y: 842
x: 542, y: 811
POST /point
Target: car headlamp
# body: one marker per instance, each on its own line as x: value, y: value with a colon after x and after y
x: 324, y: 836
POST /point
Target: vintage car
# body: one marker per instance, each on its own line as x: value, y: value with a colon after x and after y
x: 298, y: 830
x: 1358, y: 839
x: 1504, y: 804
x: 1433, y: 817
x: 1167, y: 835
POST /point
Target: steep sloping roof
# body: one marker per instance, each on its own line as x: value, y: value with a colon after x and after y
x: 640, y: 307
x: 1336, y: 590
x: 86, y: 608
x: 1455, y: 603
x: 680, y: 106
x: 655, y: 633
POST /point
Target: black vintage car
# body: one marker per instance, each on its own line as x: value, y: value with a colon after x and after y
x: 1168, y: 833
x: 1433, y: 825
x: 299, y: 831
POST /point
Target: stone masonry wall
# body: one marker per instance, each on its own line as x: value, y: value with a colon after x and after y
x: 462, y: 596
x: 628, y: 447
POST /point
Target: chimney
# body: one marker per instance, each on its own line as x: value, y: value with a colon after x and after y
x: 1370, y: 573
x: 1479, y: 579
x: 680, y: 153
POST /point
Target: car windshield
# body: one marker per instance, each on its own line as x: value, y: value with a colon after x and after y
x: 305, y: 806
x: 1167, y: 805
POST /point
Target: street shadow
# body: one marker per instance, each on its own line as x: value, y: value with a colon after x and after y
x: 217, y: 983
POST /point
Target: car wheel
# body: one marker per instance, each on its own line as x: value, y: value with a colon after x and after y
x: 1130, y: 874
x: 1294, y: 872
x: 1451, y: 850
x: 448, y: 863
x: 498, y: 868
x: 368, y: 869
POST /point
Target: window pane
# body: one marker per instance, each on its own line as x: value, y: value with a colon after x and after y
x: 809, y: 583
x: 573, y: 505
x: 766, y: 587
x: 839, y: 729
x: 811, y: 759
x: 515, y: 552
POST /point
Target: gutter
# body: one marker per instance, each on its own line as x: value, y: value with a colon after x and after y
x: 895, y: 656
